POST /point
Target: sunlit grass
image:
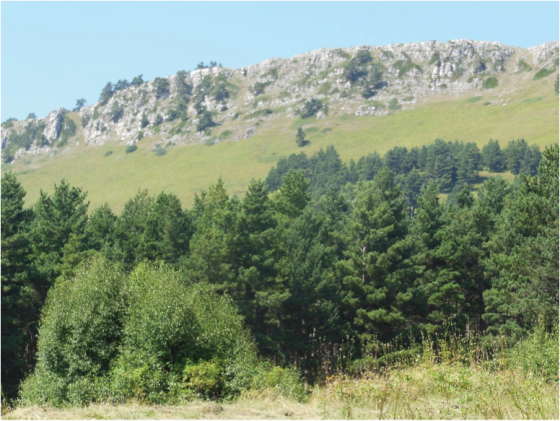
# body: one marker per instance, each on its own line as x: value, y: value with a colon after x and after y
x: 187, y: 169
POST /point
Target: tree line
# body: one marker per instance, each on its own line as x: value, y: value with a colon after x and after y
x: 318, y: 259
x: 449, y: 164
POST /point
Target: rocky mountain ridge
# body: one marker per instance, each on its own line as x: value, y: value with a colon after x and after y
x: 219, y: 104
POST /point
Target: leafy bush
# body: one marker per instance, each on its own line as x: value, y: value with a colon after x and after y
x: 205, y: 121
x: 538, y: 354
x: 258, y: 88
x: 33, y: 132
x: 131, y: 148
x: 108, y: 153
x: 8, y: 157
x: 368, y: 92
x: 148, y: 336
x: 159, y: 120
x: 159, y: 151
x: 353, y: 72
x: 225, y: 134
x: 405, y: 66
x: 9, y: 123
x: 205, y: 379
x: 137, y: 81
x: 490, y: 83
x: 161, y: 86
x: 310, y: 108
x: 140, y: 135
x: 79, y: 336
x: 283, y: 381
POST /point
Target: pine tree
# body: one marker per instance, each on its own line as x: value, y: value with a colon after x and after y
x: 168, y: 230
x: 130, y: 228
x: 493, y: 157
x: 515, y: 153
x: 310, y: 310
x: 328, y: 171
x: 101, y: 229
x: 58, y: 218
x: 523, y: 265
x: 525, y: 167
x: 20, y: 307
x: 468, y: 164
x: 444, y: 171
x: 258, y: 294
x: 293, y: 196
x: 531, y: 161
x: 300, y: 138
x: 375, y: 271
x: 395, y: 159
x: 369, y: 165
x: 424, y: 231
x: 106, y: 93
x: 212, y: 247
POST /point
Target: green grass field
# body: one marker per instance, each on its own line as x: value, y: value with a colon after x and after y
x: 530, y: 113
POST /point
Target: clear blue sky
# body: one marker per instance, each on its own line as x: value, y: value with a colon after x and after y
x: 56, y: 52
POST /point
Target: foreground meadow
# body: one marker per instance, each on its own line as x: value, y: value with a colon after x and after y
x: 459, y: 381
x: 424, y: 392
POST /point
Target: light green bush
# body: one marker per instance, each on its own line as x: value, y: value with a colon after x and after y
x: 80, y: 334
x: 205, y: 379
x: 284, y: 381
x: 108, y: 337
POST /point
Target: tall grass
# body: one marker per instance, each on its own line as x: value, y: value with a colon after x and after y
x: 442, y: 376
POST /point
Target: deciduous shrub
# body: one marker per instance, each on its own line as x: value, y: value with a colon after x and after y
x: 148, y: 336
x: 310, y: 108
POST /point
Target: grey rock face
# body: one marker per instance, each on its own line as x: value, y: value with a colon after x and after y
x: 53, y: 124
x: 547, y: 52
x: 416, y: 70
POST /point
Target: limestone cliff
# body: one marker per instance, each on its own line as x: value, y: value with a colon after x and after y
x: 239, y: 99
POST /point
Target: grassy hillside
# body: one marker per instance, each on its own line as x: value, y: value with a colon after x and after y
x: 531, y: 113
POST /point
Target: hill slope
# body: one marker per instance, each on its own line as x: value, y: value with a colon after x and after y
x: 465, y: 90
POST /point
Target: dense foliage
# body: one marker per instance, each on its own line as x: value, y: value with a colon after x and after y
x: 157, y: 303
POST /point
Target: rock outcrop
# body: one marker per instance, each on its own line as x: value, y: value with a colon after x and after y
x: 53, y: 124
x: 241, y: 99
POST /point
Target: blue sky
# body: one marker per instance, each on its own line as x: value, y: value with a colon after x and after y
x: 56, y: 52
